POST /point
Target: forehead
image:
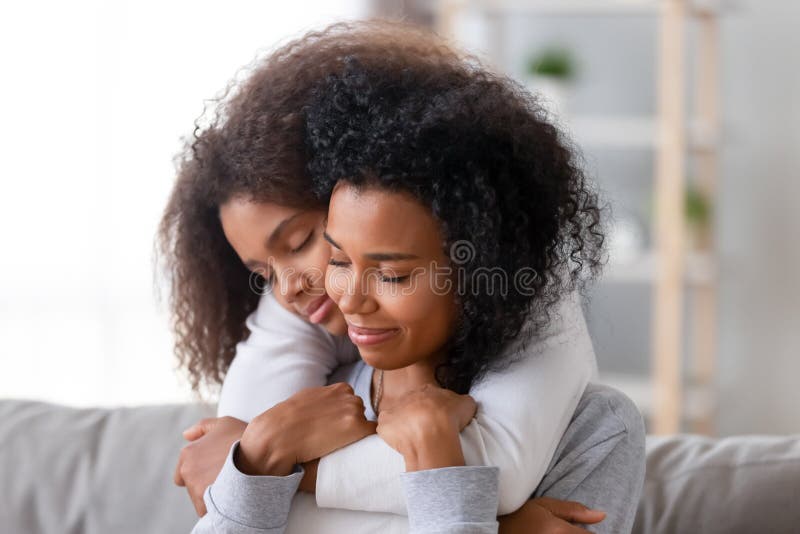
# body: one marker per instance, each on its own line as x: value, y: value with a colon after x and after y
x: 377, y: 220
x: 247, y: 224
x: 244, y: 211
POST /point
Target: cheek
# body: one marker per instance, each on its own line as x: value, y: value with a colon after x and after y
x: 334, y: 283
x: 315, y: 261
x: 426, y: 314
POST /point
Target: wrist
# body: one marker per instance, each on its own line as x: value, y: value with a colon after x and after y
x: 432, y: 448
x: 261, y: 461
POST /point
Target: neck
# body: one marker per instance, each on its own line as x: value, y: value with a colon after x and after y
x: 398, y: 382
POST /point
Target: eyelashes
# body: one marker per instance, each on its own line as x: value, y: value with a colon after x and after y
x: 383, y: 278
x: 305, y: 242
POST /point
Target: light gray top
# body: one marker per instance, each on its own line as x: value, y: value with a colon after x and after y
x: 449, y: 500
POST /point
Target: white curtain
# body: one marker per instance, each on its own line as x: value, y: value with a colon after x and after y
x: 96, y: 96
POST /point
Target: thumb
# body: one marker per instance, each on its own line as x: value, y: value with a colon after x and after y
x: 199, y: 429
x: 574, y: 512
x: 467, y: 408
x: 371, y: 427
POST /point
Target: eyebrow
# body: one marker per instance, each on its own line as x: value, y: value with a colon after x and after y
x: 375, y: 256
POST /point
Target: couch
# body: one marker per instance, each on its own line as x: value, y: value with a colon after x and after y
x: 109, y: 471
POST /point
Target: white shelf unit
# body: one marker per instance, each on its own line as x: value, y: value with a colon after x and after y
x: 631, y: 132
x: 670, y: 396
x: 699, y: 270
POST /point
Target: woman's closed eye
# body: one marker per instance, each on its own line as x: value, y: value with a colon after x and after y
x: 393, y: 277
x: 302, y: 245
x: 387, y: 275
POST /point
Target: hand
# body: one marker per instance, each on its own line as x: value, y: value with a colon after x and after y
x: 307, y: 426
x: 424, y: 427
x: 545, y: 515
x: 201, y: 460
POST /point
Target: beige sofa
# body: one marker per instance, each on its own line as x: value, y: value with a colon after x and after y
x: 109, y: 471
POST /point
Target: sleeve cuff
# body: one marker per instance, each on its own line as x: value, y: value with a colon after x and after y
x: 261, y: 502
x: 439, y: 498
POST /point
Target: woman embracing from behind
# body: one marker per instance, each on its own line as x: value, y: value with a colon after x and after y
x: 417, y: 163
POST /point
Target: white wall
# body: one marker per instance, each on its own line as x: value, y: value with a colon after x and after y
x: 760, y: 220
x: 96, y: 96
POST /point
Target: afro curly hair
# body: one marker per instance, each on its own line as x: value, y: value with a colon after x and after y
x: 479, y: 152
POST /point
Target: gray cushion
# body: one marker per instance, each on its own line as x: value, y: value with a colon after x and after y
x: 93, y: 471
x: 743, y: 484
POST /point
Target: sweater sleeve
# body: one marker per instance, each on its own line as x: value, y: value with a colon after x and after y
x: 523, y: 411
x: 282, y: 355
x: 242, y: 504
x: 452, y: 500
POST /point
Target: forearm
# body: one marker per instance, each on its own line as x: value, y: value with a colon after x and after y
x: 282, y: 355
x: 239, y: 503
x: 600, y: 461
x: 454, y: 500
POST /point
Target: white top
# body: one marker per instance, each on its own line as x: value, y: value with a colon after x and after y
x: 523, y: 410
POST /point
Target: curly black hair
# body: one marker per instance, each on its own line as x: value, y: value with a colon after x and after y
x: 479, y: 151
x: 250, y: 143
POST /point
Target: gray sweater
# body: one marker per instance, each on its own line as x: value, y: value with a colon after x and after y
x: 448, y: 500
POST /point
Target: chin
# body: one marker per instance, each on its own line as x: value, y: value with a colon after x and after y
x: 384, y: 360
x: 336, y: 326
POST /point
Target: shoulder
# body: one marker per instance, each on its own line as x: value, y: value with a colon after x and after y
x: 350, y: 373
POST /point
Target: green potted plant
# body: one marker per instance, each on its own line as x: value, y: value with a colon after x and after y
x: 550, y: 74
x: 697, y: 210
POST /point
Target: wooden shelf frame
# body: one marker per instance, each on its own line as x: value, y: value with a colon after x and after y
x: 674, y: 138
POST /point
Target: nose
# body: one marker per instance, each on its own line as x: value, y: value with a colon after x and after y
x: 350, y: 292
x: 293, y: 283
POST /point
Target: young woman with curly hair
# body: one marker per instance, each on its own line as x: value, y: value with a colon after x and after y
x: 243, y: 204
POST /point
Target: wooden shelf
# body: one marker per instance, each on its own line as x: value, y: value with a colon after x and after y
x: 700, y: 270
x: 601, y: 8
x: 569, y: 7
x: 697, y: 403
x: 626, y: 132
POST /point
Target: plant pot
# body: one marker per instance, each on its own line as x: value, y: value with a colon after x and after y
x: 552, y: 93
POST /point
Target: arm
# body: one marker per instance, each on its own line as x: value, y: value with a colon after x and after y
x: 254, y: 490
x: 282, y: 355
x: 523, y: 412
x: 442, y: 494
x: 457, y: 500
x: 241, y: 504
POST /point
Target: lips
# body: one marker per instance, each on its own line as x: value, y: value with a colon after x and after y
x: 319, y: 309
x: 363, y: 336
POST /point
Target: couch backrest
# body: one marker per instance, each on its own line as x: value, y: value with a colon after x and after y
x: 100, y: 471
x: 92, y: 471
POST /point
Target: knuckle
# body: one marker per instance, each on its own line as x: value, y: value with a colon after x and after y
x: 351, y: 419
x: 342, y: 387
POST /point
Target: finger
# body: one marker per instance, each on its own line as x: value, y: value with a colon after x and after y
x: 471, y: 406
x: 177, y: 478
x: 467, y: 407
x: 199, y: 504
x: 193, y: 433
x: 370, y: 427
x: 571, y: 511
x: 199, y: 429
